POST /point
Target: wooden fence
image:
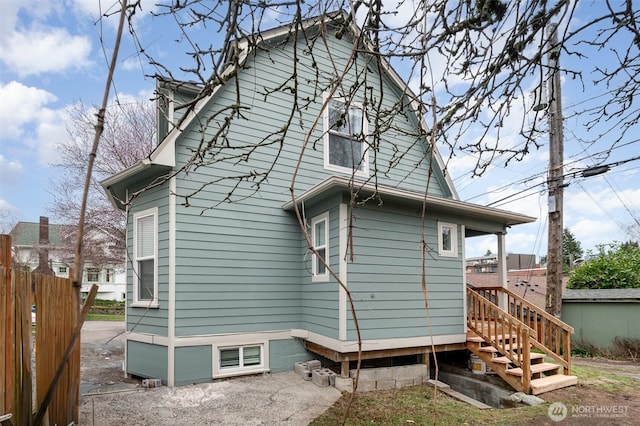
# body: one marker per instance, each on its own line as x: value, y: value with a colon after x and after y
x: 57, y: 328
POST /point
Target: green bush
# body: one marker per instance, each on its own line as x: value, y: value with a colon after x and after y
x: 617, y: 268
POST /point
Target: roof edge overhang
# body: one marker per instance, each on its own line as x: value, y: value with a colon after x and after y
x: 402, y: 196
x: 116, y: 186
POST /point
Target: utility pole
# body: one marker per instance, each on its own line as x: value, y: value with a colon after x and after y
x: 555, y: 182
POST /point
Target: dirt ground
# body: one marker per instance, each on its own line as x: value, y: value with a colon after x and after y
x: 109, y: 398
x: 589, y: 404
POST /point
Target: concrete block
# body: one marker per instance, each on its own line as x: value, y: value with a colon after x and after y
x: 320, y: 378
x: 314, y: 364
x: 403, y: 383
x: 299, y: 367
x: 366, y: 386
x: 344, y: 384
x: 306, y: 374
x: 332, y: 376
x: 385, y: 384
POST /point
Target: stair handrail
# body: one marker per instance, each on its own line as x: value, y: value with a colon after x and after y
x: 531, y: 306
x: 547, y: 338
x: 508, y: 325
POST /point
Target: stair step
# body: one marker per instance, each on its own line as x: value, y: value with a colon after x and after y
x: 489, y: 349
x: 505, y: 360
x: 549, y: 383
x: 475, y: 339
x: 535, y: 368
x: 501, y: 360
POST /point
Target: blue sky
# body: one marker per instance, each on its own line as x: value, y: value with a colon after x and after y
x: 51, y: 57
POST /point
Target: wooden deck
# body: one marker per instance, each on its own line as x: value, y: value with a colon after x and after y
x: 529, y: 350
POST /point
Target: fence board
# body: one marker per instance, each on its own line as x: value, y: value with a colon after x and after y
x: 23, y: 378
x: 55, y: 302
x: 6, y: 329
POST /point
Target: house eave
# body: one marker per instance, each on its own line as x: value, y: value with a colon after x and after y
x: 116, y: 185
x: 338, y: 183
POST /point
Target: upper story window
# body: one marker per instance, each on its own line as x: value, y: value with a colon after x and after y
x: 93, y: 275
x: 320, y: 238
x: 346, y: 129
x: 447, y: 239
x: 145, y: 254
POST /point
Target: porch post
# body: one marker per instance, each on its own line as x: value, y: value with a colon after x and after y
x: 502, y: 269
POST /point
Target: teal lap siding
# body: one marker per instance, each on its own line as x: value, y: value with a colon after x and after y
x: 193, y: 364
x: 146, y: 360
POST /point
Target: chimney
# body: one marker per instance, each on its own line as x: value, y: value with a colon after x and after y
x: 43, y: 248
x: 44, y: 230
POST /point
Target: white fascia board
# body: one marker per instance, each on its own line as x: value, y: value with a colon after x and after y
x: 126, y: 173
x: 462, y: 207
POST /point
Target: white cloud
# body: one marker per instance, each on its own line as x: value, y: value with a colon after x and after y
x: 10, y: 170
x: 25, y: 118
x: 50, y: 131
x: 21, y: 105
x: 37, y: 51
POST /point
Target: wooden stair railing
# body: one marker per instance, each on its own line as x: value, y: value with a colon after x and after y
x: 553, y: 337
x: 504, y: 332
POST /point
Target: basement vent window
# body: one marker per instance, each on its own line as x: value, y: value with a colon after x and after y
x: 241, y: 357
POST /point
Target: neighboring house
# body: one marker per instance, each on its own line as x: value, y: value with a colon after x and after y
x: 218, y: 288
x: 43, y: 247
x: 600, y: 315
x: 530, y: 284
x: 489, y: 263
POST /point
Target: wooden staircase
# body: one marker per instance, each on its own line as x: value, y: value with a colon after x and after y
x: 517, y: 342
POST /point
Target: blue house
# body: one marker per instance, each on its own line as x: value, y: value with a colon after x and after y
x: 221, y: 277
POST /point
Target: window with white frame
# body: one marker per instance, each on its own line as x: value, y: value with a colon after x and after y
x: 238, y: 357
x: 320, y: 239
x: 93, y: 275
x: 345, y: 133
x: 62, y: 269
x: 447, y: 239
x: 108, y: 274
x: 145, y: 246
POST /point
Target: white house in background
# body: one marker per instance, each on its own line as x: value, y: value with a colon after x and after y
x: 41, y: 247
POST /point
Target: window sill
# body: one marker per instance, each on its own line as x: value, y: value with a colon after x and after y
x: 143, y: 304
x: 231, y: 372
x: 347, y: 171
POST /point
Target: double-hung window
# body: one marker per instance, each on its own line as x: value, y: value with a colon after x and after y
x: 145, y: 254
x: 344, y: 138
x: 447, y: 239
x: 320, y: 239
x: 93, y: 275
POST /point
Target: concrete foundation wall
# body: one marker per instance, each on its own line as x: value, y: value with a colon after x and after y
x: 386, y: 378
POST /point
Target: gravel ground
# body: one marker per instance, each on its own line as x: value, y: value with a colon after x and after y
x: 109, y: 398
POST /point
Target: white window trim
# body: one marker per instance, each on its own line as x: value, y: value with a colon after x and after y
x: 315, y: 277
x: 136, y: 303
x: 454, y: 239
x: 219, y: 371
x: 365, y: 129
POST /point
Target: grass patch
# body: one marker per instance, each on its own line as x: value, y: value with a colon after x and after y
x: 417, y: 405
x: 602, y: 380
x: 104, y: 317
